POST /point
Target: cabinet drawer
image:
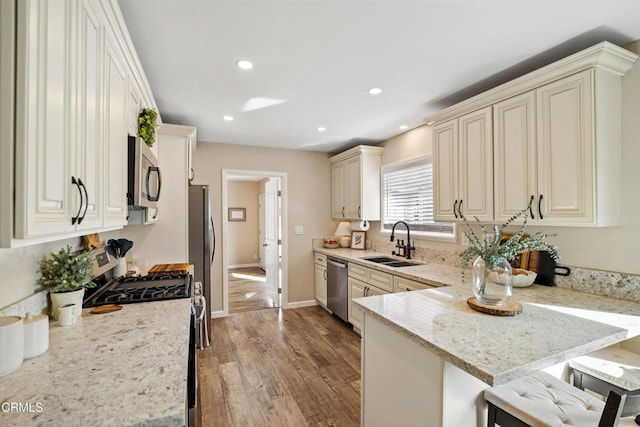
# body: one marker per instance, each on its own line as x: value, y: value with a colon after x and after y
x: 400, y: 284
x: 358, y: 271
x: 320, y: 259
x: 381, y: 280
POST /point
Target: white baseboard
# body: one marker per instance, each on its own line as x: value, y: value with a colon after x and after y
x: 243, y: 265
x: 300, y: 304
x: 215, y: 314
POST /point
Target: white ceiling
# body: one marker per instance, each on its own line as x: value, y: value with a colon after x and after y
x: 321, y: 57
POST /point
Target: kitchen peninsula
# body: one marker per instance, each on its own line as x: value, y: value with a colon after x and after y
x: 427, y: 356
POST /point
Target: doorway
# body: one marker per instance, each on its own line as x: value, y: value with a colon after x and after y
x: 254, y: 264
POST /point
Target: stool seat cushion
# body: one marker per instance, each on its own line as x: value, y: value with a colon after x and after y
x: 540, y: 399
x: 614, y: 365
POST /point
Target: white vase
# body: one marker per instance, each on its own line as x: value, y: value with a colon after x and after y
x: 121, y: 268
x: 62, y: 298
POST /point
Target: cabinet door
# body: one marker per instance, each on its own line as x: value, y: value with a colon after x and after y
x: 514, y: 156
x: 338, y: 190
x: 45, y: 197
x: 565, y: 150
x: 321, y: 284
x: 89, y: 142
x: 134, y: 107
x: 356, y: 290
x: 115, y: 138
x: 354, y: 187
x: 475, y: 165
x: 445, y: 170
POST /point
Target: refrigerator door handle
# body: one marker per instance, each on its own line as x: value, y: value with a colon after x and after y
x: 213, y: 240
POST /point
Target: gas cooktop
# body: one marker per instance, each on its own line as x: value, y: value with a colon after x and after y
x: 134, y: 289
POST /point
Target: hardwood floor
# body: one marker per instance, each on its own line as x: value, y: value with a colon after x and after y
x: 247, y: 290
x: 280, y: 368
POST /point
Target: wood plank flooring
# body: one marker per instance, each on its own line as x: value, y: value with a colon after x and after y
x: 247, y: 290
x: 279, y: 367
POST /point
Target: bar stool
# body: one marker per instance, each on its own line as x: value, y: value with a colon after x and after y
x: 540, y: 399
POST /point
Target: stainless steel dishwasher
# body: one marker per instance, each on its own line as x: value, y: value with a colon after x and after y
x: 337, y: 295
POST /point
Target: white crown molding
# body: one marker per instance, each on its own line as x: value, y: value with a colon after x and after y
x: 360, y: 149
x: 605, y: 56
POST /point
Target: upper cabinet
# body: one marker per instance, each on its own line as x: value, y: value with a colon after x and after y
x: 555, y: 139
x: 68, y: 149
x: 463, y: 176
x: 355, y: 183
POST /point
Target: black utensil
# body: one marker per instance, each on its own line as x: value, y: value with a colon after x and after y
x: 114, y: 245
x: 125, y: 245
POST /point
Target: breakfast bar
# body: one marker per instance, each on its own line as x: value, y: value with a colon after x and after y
x: 427, y: 356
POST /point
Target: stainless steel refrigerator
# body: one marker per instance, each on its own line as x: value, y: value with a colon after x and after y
x: 202, y: 242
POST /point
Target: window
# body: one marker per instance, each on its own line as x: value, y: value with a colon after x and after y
x: 407, y: 195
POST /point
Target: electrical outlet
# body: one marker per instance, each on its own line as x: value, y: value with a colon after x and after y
x: 298, y: 230
x: 465, y: 241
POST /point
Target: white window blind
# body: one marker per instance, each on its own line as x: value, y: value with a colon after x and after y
x: 408, y: 196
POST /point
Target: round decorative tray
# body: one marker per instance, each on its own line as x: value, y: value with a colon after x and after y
x: 510, y: 308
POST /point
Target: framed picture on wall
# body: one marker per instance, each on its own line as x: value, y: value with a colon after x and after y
x: 357, y: 239
x: 237, y: 214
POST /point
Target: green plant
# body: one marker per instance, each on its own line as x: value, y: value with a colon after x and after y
x: 492, y: 248
x: 64, y: 272
x: 147, y: 123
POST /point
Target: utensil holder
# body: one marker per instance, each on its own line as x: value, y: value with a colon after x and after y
x: 121, y: 268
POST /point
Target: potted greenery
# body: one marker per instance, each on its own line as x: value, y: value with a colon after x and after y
x: 147, y: 123
x: 66, y: 276
x: 491, y: 271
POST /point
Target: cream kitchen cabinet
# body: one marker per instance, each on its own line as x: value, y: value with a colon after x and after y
x: 402, y: 284
x: 556, y: 141
x: 355, y: 183
x: 359, y: 289
x: 548, y: 157
x: 320, y: 265
x: 463, y: 167
x: 67, y: 150
x: 115, y: 137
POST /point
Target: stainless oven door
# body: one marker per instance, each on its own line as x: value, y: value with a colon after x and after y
x: 192, y: 374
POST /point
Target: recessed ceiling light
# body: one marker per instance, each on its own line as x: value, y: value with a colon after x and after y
x: 321, y: 128
x: 244, y: 64
x: 375, y: 91
x: 227, y: 118
x: 403, y: 127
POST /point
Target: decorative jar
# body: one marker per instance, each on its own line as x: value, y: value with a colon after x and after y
x: 491, y: 282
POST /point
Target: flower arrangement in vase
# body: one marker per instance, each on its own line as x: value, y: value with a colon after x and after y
x: 66, y: 276
x: 491, y: 271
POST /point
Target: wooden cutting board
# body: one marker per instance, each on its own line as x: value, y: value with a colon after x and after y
x: 169, y: 268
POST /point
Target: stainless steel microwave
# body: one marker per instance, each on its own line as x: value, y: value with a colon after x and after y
x: 144, y: 178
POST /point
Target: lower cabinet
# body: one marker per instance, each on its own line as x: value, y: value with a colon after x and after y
x: 402, y: 284
x: 359, y: 289
x: 321, y: 278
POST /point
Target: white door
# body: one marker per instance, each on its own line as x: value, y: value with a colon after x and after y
x: 261, y: 235
x: 272, y: 238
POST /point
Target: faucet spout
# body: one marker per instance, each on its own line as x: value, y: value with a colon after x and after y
x: 393, y: 230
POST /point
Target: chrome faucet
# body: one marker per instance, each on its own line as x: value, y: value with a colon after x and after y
x: 410, y: 247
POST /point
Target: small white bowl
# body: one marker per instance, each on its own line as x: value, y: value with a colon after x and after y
x: 522, y: 278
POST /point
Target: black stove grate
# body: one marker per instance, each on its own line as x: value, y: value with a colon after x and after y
x: 134, y: 289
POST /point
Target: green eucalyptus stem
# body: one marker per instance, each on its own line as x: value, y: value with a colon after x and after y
x: 492, y: 249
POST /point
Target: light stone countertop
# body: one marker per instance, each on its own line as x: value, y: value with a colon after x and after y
x: 125, y: 368
x: 555, y: 325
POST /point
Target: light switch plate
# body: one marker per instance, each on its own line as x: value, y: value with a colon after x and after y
x: 298, y: 230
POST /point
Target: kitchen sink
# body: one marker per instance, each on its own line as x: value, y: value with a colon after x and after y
x: 380, y: 259
x: 390, y: 262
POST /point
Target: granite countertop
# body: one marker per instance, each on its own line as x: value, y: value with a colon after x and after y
x: 123, y: 368
x: 555, y: 325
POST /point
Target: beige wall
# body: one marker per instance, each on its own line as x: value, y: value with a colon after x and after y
x: 609, y: 248
x: 19, y: 267
x: 243, y: 245
x: 309, y: 203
